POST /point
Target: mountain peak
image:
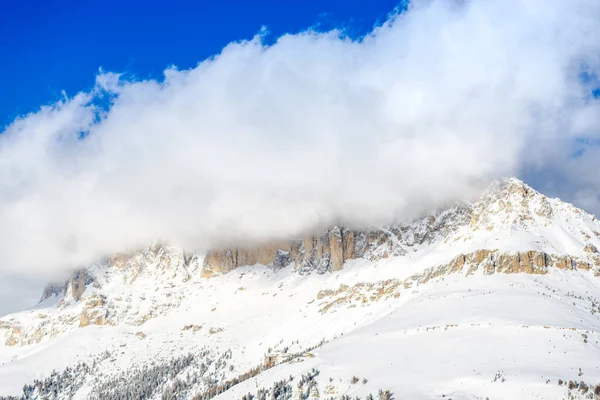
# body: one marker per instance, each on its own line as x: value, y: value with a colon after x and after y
x: 512, y: 202
x: 511, y: 186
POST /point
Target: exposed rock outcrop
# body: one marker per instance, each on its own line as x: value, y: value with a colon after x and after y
x: 19, y: 336
x: 92, y: 317
x: 94, y: 312
x: 78, y: 282
x: 72, y: 288
x: 14, y: 337
x: 487, y: 262
x: 321, y: 253
x: 510, y: 202
x: 330, y: 249
x: 494, y: 261
x: 53, y: 289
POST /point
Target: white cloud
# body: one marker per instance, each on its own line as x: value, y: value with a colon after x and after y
x: 268, y: 141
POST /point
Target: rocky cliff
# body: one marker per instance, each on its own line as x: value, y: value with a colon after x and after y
x: 504, y: 204
x: 322, y: 252
x: 328, y: 250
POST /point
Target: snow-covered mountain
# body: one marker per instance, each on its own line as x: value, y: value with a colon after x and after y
x: 497, y: 298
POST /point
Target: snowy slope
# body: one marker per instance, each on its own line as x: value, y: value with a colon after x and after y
x: 498, y: 298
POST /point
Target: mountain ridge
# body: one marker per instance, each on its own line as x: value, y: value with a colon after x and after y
x: 518, y: 201
x: 163, y: 298
x: 503, y: 207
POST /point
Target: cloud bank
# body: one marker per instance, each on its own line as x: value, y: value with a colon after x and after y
x: 265, y: 141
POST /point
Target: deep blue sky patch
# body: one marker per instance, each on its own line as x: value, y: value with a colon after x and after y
x: 50, y: 46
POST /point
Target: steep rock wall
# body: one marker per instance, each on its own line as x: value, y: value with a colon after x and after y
x: 323, y: 252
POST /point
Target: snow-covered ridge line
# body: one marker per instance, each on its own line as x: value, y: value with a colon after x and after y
x: 507, y: 204
x: 509, y: 217
x: 102, y: 309
x: 459, y: 274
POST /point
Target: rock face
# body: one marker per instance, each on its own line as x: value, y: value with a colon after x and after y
x: 94, y: 312
x: 74, y: 287
x: 53, y: 290
x: 328, y: 250
x: 526, y: 262
x: 78, y: 283
x: 486, y: 262
x: 323, y: 252
x: 504, y: 205
x: 511, y: 202
x: 20, y: 337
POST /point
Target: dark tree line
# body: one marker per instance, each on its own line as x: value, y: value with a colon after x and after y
x: 175, y: 379
x: 59, y: 385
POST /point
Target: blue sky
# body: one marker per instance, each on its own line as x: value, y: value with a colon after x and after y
x: 50, y: 46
